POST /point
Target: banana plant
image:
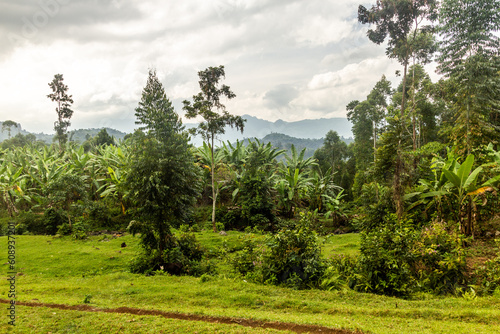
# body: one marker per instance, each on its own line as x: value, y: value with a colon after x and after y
x: 114, y: 187
x: 464, y: 187
x: 332, y: 204
x: 291, y: 188
x: 235, y: 155
x: 321, y: 185
x: 211, y: 160
x: 433, y: 192
x: 12, y: 182
x: 297, y: 161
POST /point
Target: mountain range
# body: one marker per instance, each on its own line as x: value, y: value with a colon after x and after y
x: 306, y: 133
x: 307, y: 129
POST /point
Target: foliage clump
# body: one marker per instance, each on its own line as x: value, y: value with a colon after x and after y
x: 292, y: 257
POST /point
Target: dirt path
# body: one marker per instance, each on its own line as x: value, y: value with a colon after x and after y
x: 298, y: 328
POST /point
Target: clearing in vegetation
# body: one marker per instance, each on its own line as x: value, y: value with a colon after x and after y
x: 94, y: 273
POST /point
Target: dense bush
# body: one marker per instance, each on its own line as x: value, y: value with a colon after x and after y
x: 293, y: 256
x: 232, y: 218
x: 30, y: 223
x: 245, y: 260
x: 375, y: 203
x: 440, y: 259
x: 52, y: 220
x: 182, y: 255
x: 257, y: 207
x: 98, y: 214
x: 340, y: 272
x: 386, y: 260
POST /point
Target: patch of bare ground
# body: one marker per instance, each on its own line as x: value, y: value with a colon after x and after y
x: 478, y: 252
x: 297, y: 328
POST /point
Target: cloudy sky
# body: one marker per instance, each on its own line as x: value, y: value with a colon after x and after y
x: 284, y: 59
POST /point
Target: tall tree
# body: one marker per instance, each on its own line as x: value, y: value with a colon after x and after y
x: 155, y: 113
x: 331, y: 154
x: 7, y: 125
x: 163, y: 179
x: 64, y: 113
x: 378, y: 100
x: 398, y: 19
x: 422, y: 104
x: 208, y: 105
x: 470, y: 58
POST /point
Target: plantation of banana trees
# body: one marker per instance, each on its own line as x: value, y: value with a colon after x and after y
x: 255, y: 184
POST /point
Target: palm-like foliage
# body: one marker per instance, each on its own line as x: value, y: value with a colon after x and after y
x: 458, y: 181
x: 12, y: 183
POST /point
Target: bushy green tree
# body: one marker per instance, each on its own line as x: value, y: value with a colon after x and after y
x: 67, y: 189
x: 163, y: 178
x: 470, y: 58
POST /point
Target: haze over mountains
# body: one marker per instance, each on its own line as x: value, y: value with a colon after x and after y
x: 308, y: 129
x: 254, y: 128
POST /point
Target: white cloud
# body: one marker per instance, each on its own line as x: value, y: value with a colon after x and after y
x: 284, y: 59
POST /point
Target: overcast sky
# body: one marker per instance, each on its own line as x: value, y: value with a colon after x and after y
x: 284, y: 59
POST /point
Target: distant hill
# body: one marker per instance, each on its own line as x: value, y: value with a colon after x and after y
x: 309, y: 128
x: 79, y: 135
x: 282, y: 141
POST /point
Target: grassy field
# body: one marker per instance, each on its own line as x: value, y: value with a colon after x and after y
x: 64, y: 271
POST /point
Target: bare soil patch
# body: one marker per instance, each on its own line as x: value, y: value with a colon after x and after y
x: 297, y: 328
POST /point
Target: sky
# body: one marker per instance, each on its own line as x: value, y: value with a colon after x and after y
x: 284, y: 59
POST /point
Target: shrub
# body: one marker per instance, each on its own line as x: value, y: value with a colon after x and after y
x: 341, y: 272
x: 386, y: 260
x: 246, y: 259
x: 375, y: 203
x: 64, y: 229
x: 233, y: 219
x: 98, y: 214
x: 293, y: 256
x: 29, y: 222
x: 52, y: 219
x: 182, y: 255
x: 440, y: 259
x: 79, y: 230
x: 257, y: 207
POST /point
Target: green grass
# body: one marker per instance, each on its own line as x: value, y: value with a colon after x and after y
x: 346, y: 244
x: 47, y: 320
x: 64, y: 271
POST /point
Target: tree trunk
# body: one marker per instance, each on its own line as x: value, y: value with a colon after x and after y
x: 214, y: 195
x: 470, y: 224
x: 397, y: 187
x: 403, y: 100
x: 67, y: 211
x: 398, y: 198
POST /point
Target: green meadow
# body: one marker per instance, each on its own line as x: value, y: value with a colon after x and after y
x: 95, y: 272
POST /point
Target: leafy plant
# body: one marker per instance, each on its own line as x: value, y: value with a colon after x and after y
x: 386, y: 260
x: 293, y: 257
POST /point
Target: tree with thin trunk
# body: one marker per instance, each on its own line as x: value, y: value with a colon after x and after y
x: 64, y: 113
x: 208, y: 105
x: 398, y: 19
x: 470, y: 58
x: 7, y: 125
